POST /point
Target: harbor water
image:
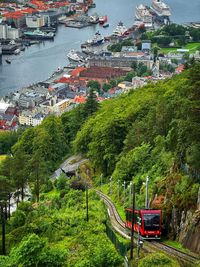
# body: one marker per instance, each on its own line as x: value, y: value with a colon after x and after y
x: 39, y: 61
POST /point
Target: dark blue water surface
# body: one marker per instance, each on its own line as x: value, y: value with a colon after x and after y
x: 38, y: 62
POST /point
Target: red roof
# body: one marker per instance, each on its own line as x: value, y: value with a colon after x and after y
x: 2, y: 122
x: 79, y: 99
x: 180, y: 68
x: 64, y: 80
x: 77, y: 71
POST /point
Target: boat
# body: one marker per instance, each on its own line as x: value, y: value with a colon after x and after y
x: 17, y: 51
x: 37, y: 34
x: 143, y: 15
x: 98, y: 39
x: 94, y: 19
x: 103, y: 19
x: 93, y: 5
x: 160, y: 8
x: 120, y: 30
x: 74, y: 56
x: 106, y: 25
x: 22, y: 48
x: 8, y: 61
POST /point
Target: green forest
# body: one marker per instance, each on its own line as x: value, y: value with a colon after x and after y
x: 152, y: 131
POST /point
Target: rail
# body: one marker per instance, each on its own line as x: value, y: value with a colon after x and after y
x: 149, y: 246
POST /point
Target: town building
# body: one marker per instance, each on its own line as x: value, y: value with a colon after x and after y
x: 7, y: 32
x: 30, y: 118
x: 120, y: 62
x: 35, y: 21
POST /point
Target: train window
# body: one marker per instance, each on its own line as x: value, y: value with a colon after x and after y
x: 151, y: 221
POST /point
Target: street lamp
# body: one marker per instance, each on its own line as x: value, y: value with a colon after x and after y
x: 124, y: 185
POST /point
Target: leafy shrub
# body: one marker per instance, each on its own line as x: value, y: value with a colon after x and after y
x: 157, y: 260
x: 18, y: 219
x: 34, y: 252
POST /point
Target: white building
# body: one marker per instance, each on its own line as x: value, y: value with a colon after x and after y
x: 13, y: 33
x: 56, y: 106
x: 27, y: 118
x: 35, y: 21
x: 7, y: 32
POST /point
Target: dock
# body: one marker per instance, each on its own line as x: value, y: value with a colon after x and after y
x: 76, y: 24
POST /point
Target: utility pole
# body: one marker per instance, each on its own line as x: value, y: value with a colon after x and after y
x: 130, y: 193
x: 146, y: 199
x: 132, y: 225
x: 101, y: 180
x: 138, y: 242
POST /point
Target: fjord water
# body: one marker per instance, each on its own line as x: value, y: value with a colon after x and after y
x: 39, y: 61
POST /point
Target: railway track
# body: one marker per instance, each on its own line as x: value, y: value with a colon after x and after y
x: 187, y: 259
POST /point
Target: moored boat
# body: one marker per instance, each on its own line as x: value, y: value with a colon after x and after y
x: 120, y: 30
x: 8, y: 61
x: 17, y: 51
x: 143, y: 15
x: 106, y: 25
x: 40, y: 35
x: 160, y: 8
x: 103, y: 19
x: 74, y: 56
x: 98, y: 39
x: 94, y: 19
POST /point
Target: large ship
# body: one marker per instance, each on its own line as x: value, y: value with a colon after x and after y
x: 75, y: 56
x: 98, y: 39
x: 120, y: 30
x: 160, y: 8
x: 39, y: 35
x: 143, y: 15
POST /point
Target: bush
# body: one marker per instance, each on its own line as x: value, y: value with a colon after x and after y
x: 48, y: 186
x: 33, y: 251
x: 157, y: 260
x: 61, y: 182
x: 18, y: 219
x: 25, y: 207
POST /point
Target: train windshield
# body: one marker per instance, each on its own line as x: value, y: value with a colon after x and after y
x: 151, y: 221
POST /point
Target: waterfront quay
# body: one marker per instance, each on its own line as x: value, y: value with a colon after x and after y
x: 39, y: 21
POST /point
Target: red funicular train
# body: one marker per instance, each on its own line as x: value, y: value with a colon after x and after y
x: 150, y: 222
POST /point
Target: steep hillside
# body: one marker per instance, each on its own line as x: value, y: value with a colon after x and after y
x: 151, y: 131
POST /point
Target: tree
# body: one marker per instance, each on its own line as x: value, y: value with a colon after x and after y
x: 6, y: 188
x: 38, y: 163
x: 20, y: 169
x: 106, y: 87
x: 134, y: 65
x: 129, y: 76
x: 94, y: 85
x: 91, y: 104
x: 141, y: 69
x: 155, y: 52
x: 6, y: 171
x: 72, y: 122
x: 52, y: 132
